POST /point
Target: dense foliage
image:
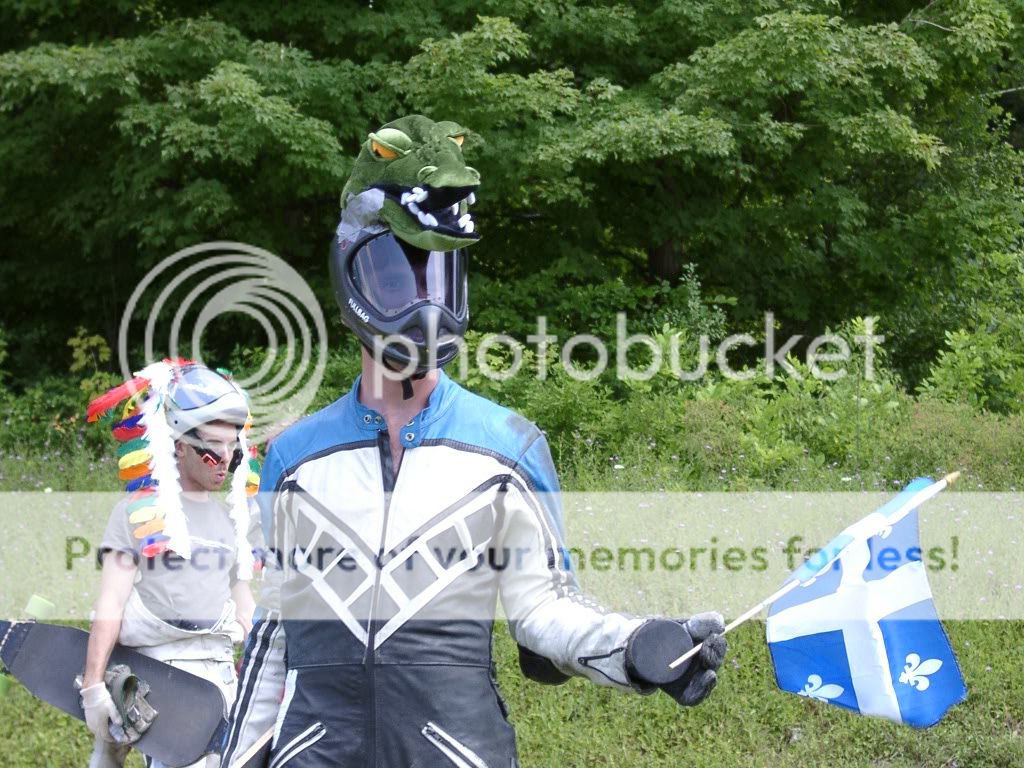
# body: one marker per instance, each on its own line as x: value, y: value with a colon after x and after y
x: 715, y: 434
x: 818, y: 158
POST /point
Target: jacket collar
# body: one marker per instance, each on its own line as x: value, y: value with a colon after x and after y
x: 440, y: 400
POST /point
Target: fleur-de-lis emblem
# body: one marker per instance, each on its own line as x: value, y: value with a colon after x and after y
x: 916, y: 672
x: 815, y: 690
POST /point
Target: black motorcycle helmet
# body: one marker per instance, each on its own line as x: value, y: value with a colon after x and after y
x: 387, y: 287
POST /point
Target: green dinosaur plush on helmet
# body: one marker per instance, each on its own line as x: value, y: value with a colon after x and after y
x: 410, y: 174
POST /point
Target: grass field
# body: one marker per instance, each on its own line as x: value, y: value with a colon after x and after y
x: 747, y: 722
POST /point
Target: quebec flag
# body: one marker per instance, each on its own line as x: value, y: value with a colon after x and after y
x: 863, y: 632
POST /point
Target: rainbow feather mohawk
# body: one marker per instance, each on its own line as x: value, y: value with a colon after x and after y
x: 137, y: 410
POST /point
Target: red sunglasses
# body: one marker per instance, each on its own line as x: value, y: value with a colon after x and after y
x: 211, y: 458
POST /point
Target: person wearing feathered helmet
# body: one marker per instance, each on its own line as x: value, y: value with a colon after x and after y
x: 176, y: 562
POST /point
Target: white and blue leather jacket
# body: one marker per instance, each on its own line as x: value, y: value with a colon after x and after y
x: 389, y: 582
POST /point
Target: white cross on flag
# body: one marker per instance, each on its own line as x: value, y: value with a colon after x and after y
x: 861, y: 630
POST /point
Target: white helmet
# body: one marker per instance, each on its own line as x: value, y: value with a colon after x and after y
x: 198, y: 396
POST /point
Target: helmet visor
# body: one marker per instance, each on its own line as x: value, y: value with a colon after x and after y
x: 393, y: 276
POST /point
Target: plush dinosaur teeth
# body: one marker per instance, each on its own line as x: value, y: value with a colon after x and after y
x: 450, y: 215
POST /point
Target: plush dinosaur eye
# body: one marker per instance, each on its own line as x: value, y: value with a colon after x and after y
x: 381, y: 151
x: 389, y: 143
x: 458, y: 139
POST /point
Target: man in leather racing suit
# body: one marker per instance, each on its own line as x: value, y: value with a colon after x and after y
x: 400, y: 514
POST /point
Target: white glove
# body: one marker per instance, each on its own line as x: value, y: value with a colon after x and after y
x: 99, y: 710
x: 236, y: 632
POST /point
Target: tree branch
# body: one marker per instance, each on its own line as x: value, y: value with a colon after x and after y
x: 910, y: 18
x: 916, y: 10
x: 933, y: 24
x: 907, y: 16
x: 1004, y: 92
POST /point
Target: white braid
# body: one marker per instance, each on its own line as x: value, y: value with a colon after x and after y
x: 163, y: 463
x: 238, y: 501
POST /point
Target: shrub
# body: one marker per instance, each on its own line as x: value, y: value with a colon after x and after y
x: 982, y: 362
x: 983, y: 368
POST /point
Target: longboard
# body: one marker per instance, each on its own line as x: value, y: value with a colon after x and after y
x: 46, y: 658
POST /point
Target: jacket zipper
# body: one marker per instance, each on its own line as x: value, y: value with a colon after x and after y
x: 459, y: 754
x: 300, y: 743
x: 387, y: 471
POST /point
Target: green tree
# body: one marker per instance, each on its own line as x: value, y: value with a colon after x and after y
x: 818, y: 158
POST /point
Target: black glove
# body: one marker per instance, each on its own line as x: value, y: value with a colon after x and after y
x: 539, y: 669
x: 658, y: 642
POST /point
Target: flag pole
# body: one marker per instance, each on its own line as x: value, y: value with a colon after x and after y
x: 911, y: 504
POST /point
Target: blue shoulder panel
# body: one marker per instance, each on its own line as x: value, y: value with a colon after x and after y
x: 318, y: 432
x: 475, y: 421
x: 464, y: 417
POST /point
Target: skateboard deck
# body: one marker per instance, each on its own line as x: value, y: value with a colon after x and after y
x: 46, y: 658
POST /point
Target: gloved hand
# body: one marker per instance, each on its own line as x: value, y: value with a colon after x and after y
x: 99, y: 710
x: 658, y: 642
x: 235, y: 631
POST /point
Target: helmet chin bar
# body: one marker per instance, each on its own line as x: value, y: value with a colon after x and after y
x: 423, y: 340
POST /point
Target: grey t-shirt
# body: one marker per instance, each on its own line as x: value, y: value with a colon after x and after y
x: 187, y: 593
